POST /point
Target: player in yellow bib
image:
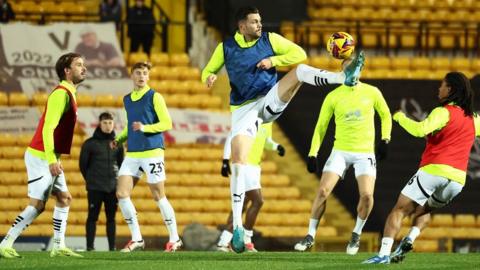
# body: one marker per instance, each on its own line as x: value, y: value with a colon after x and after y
x: 253, y: 192
x: 354, y: 109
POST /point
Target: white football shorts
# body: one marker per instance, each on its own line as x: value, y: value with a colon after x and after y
x: 40, y: 181
x: 438, y: 191
x: 153, y: 167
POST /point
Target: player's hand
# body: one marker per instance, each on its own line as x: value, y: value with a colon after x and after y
x: 312, y: 164
x: 265, y: 64
x: 55, y: 168
x: 381, y: 151
x: 225, y: 168
x: 211, y: 79
x: 281, y: 150
x: 113, y: 144
x: 137, y: 126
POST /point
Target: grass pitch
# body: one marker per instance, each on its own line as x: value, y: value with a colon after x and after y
x: 231, y: 261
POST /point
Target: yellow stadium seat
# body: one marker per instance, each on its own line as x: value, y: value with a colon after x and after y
x: 442, y: 220
x: 137, y: 57
x: 105, y: 101
x: 460, y: 64
x: 23, y: 140
x: 7, y: 139
x: 179, y: 59
x: 39, y: 99
x: 181, y: 87
x: 426, y: 245
x: 464, y: 220
x: 400, y: 62
x: 199, y: 88
x: 190, y: 73
x: 420, y: 63
x: 18, y: 99
x: 379, y: 63
x: 3, y: 99
x: 12, y: 152
x: 85, y: 100
x: 440, y: 63
x: 159, y: 59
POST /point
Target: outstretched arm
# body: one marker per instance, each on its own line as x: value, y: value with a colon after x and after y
x: 286, y: 52
x: 435, y: 121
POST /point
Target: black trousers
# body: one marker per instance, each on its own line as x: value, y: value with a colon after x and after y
x: 146, y: 40
x: 95, y: 199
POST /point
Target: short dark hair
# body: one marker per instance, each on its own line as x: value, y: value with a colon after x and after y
x: 461, y: 92
x: 243, y: 12
x: 105, y: 116
x: 141, y: 65
x: 65, y: 61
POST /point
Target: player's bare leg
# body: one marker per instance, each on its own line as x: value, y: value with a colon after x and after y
x: 366, y: 186
x: 255, y: 196
x: 168, y: 214
x: 420, y: 220
x: 327, y: 182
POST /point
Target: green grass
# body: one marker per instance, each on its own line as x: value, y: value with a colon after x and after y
x: 230, y: 261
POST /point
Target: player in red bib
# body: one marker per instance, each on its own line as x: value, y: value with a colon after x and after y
x: 450, y: 130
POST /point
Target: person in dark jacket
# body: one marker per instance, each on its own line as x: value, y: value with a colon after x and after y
x: 6, y: 12
x: 141, y: 25
x: 111, y: 11
x: 99, y: 166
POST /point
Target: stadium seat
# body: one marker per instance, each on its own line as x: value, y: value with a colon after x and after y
x: 3, y: 99
x: 137, y: 57
x: 105, y: 101
x: 179, y: 59
x: 7, y: 139
x: 382, y: 63
x: 442, y: 220
x: 23, y: 140
x: 18, y: 99
x: 85, y: 100
x: 39, y: 99
x: 464, y: 220
x: 159, y: 59
x: 440, y: 63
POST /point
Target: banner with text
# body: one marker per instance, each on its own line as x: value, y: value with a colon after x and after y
x: 18, y: 120
x: 189, y: 126
x: 28, y: 54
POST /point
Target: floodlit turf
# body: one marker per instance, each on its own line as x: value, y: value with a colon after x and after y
x: 246, y: 261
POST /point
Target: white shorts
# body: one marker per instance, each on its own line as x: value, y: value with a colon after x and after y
x: 438, y: 191
x: 153, y: 167
x: 247, y: 118
x: 339, y: 161
x: 252, y: 181
x: 40, y: 181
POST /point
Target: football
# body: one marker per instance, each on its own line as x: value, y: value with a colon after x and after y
x: 341, y: 45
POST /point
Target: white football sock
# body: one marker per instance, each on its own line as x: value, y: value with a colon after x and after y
x: 413, y: 233
x: 247, y: 237
x: 237, y: 190
x: 130, y: 215
x: 312, y: 227
x: 359, y: 225
x: 318, y: 77
x: 386, y: 247
x: 60, y: 216
x: 21, y: 223
x: 225, y: 238
x: 168, y: 215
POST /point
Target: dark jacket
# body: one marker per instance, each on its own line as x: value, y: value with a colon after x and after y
x: 6, y: 12
x: 99, y: 164
x: 111, y: 13
x: 140, y: 22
